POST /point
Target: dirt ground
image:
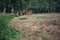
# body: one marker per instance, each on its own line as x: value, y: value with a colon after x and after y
x: 38, y: 26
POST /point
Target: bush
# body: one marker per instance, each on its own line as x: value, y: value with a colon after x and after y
x: 8, y: 33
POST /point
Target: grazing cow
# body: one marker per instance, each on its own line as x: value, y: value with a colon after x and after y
x: 29, y: 13
x: 20, y: 13
x: 26, y: 13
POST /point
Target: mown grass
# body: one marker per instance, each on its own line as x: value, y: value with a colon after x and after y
x: 6, y: 32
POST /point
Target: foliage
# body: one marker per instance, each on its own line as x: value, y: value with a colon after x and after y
x: 34, y: 5
x: 6, y: 32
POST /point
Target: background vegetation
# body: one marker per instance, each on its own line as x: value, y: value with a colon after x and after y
x: 36, y: 6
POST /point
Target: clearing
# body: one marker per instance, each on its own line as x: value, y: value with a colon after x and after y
x: 38, y: 26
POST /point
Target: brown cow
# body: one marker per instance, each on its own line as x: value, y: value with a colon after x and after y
x: 29, y: 13
x: 20, y: 13
x: 26, y: 13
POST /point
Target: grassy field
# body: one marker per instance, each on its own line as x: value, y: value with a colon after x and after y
x: 38, y: 26
x: 30, y: 27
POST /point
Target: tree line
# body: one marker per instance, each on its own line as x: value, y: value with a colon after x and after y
x: 36, y: 6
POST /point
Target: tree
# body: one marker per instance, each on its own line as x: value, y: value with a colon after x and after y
x: 25, y: 5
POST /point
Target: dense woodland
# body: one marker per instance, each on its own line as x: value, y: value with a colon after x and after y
x: 36, y: 6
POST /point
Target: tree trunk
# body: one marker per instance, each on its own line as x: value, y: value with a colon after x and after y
x: 54, y: 10
x: 4, y: 10
x: 12, y: 10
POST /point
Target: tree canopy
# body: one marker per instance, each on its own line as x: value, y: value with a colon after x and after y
x: 41, y: 6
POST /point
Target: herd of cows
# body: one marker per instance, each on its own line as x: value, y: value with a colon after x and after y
x: 24, y: 13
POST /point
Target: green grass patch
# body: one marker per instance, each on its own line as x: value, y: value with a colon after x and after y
x: 6, y: 32
x: 23, y: 18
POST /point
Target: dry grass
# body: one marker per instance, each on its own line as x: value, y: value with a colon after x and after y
x: 38, y: 26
